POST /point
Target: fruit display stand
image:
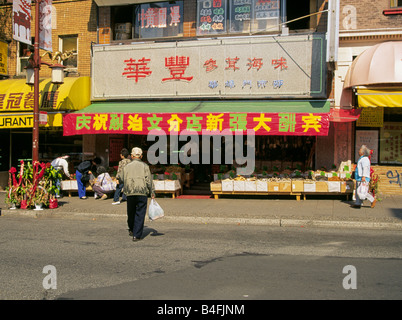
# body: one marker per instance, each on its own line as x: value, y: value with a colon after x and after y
x: 172, y: 187
x: 70, y: 186
x: 284, y: 186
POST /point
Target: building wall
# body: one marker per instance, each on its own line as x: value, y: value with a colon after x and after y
x: 70, y: 17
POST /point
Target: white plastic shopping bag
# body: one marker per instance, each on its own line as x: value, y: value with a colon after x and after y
x: 363, y: 190
x: 155, y: 211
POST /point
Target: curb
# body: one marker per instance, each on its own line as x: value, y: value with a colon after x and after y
x: 280, y: 222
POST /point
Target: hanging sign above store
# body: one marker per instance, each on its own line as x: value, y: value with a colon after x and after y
x: 252, y: 67
x: 300, y: 124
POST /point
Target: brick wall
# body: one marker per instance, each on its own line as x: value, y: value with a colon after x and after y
x: 367, y: 14
x: 73, y: 17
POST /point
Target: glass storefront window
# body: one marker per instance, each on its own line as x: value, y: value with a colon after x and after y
x: 148, y: 20
x: 237, y: 16
x: 391, y: 143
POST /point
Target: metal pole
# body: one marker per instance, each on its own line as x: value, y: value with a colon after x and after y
x: 35, y: 131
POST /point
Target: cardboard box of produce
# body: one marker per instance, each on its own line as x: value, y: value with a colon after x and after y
x: 297, y: 186
x: 309, y: 186
x: 227, y: 185
x: 334, y: 186
x: 216, y: 186
x: 285, y: 186
x: 251, y: 185
x: 262, y: 185
x: 321, y: 186
x: 273, y: 186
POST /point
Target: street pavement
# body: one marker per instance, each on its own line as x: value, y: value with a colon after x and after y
x: 283, y: 211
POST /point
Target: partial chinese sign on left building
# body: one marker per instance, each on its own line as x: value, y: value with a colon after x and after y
x: 3, y: 58
x: 22, y: 21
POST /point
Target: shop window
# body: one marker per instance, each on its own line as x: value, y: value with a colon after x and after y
x: 237, y: 16
x: 297, y: 9
x: 24, y: 52
x: 391, y: 137
x: 396, y: 3
x: 69, y: 43
x: 148, y: 20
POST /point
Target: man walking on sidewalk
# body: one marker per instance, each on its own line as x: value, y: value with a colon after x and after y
x: 138, y: 184
x: 362, y: 175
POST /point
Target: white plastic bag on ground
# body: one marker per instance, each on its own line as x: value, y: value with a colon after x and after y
x: 362, y: 190
x: 155, y: 211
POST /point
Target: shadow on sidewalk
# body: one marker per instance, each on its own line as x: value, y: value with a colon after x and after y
x: 397, y: 213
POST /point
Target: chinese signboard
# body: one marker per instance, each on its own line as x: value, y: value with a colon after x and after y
x: 159, y: 20
x: 309, y: 124
x: 211, y: 17
x: 24, y: 101
x: 371, y: 117
x: 3, y: 58
x: 391, y: 143
x: 22, y: 21
x: 267, y: 67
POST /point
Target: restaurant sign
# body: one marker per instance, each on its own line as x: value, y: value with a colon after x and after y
x: 252, y: 67
x: 300, y: 124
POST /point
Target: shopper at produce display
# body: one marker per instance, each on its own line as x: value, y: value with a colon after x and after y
x: 103, y: 184
x: 362, y: 175
x: 125, y: 159
x: 83, y: 173
x: 61, y: 164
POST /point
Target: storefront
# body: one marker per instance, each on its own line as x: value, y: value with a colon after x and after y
x: 16, y: 119
x: 374, y: 85
x: 270, y: 87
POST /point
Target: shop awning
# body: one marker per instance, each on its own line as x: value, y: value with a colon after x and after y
x: 303, y: 117
x: 344, y: 115
x: 73, y: 94
x: 379, y: 97
x: 378, y: 66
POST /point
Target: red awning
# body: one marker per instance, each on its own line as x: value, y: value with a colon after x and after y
x: 344, y: 115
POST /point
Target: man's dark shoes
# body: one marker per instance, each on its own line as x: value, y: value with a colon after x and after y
x: 130, y: 233
x: 136, y: 239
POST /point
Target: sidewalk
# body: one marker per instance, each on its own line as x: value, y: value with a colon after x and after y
x: 322, y: 211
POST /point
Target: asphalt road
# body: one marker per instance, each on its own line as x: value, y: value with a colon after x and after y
x: 96, y: 259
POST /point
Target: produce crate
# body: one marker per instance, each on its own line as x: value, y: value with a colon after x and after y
x: 273, y: 186
x: 297, y: 186
x: 251, y: 185
x: 172, y: 185
x: 262, y: 185
x: 321, y: 186
x: 347, y: 186
x: 309, y: 186
x: 285, y: 186
x: 227, y: 185
x: 239, y: 185
x: 216, y: 186
x: 334, y: 186
x: 159, y: 185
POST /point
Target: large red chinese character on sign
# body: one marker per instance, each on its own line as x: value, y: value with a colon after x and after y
x: 210, y: 65
x: 136, y: 69
x: 279, y: 63
x: 177, y: 66
x: 232, y: 63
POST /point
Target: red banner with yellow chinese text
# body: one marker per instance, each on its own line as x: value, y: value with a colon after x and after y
x: 295, y: 124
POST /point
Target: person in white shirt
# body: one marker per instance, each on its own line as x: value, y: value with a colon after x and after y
x: 362, y: 175
x: 61, y: 163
